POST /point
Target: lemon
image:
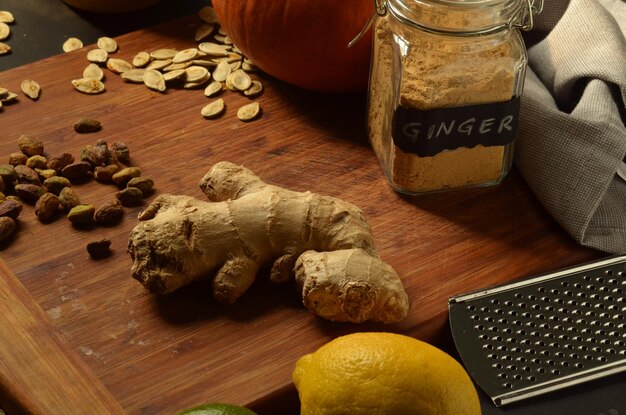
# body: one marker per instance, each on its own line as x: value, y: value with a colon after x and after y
x: 380, y: 374
x: 217, y: 409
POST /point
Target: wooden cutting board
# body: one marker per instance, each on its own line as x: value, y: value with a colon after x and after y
x: 36, y: 361
x: 157, y: 355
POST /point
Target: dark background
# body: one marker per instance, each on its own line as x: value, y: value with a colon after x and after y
x: 41, y: 26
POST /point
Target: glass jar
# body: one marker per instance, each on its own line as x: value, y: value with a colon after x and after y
x: 445, y: 82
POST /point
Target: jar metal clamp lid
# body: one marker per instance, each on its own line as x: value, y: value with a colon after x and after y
x: 522, y: 19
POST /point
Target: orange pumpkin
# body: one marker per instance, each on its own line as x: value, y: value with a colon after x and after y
x: 302, y: 42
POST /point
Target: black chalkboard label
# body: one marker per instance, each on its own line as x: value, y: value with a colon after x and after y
x: 427, y: 133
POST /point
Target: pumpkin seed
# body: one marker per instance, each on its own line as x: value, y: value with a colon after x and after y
x: 221, y: 72
x: 97, y: 55
x: 6, y: 17
x: 223, y: 39
x: 206, y: 64
x: 249, y: 112
x: 175, y: 74
x: 218, y: 58
x: 159, y: 64
x: 162, y: 54
x: 107, y: 44
x: 256, y: 88
x: 229, y: 84
x: 197, y: 74
x: 71, y: 44
x: 231, y: 57
x: 204, y: 31
x: 5, y: 31
x: 118, y: 65
x: 213, y: 49
x: 185, y: 55
x: 10, y: 97
x: 176, y: 66
x: 213, y: 89
x: 134, y: 75
x: 213, y: 109
x: 3, y: 92
x: 240, y: 80
x: 141, y: 59
x: 93, y: 71
x: 249, y: 66
x: 4, y: 49
x: 30, y: 88
x: 154, y: 80
x: 193, y: 85
x: 88, y: 86
x: 207, y: 14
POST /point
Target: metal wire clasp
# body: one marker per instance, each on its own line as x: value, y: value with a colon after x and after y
x: 380, y: 10
x: 533, y: 7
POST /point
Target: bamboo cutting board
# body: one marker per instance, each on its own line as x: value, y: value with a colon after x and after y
x: 158, y: 355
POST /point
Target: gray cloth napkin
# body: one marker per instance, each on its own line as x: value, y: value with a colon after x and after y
x: 571, y: 142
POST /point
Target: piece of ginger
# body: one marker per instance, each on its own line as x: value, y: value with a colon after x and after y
x: 248, y: 224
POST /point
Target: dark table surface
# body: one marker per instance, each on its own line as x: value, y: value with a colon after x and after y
x: 41, y: 26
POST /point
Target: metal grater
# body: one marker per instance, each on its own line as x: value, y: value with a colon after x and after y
x: 544, y: 333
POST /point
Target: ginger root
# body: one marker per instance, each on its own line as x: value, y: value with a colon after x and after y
x: 249, y: 223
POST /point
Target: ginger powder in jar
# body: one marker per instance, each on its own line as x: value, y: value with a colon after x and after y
x: 445, y: 82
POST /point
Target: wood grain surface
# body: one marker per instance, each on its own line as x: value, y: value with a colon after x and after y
x: 38, y: 369
x: 159, y: 354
